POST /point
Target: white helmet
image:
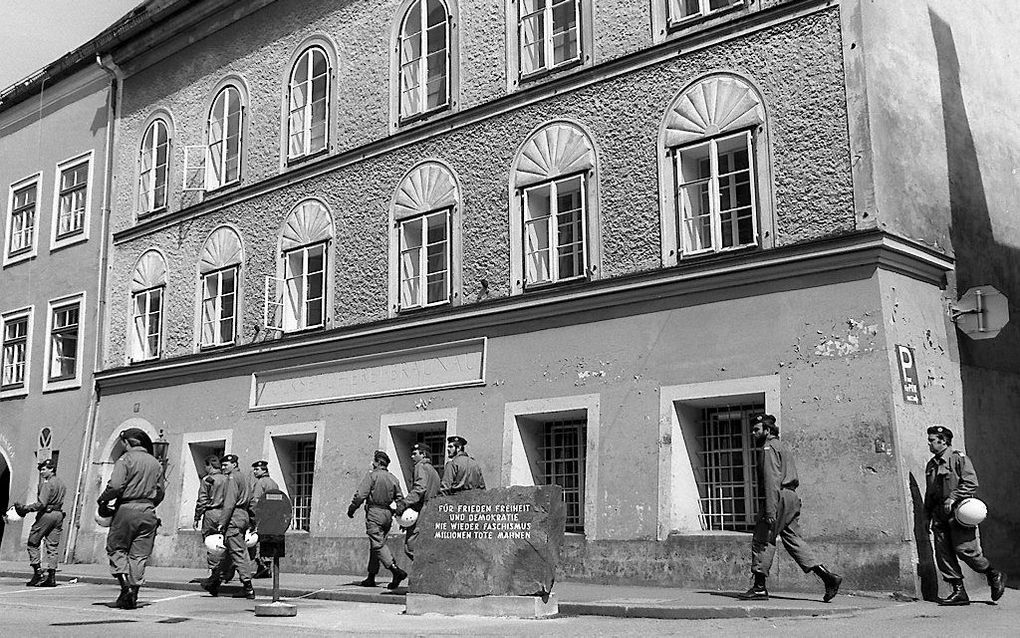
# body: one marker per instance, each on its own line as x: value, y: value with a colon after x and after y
x: 970, y: 512
x: 103, y: 521
x: 408, y: 518
x: 251, y: 538
x: 12, y: 515
x: 214, y: 545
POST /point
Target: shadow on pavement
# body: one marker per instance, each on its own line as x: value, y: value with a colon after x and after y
x: 736, y: 596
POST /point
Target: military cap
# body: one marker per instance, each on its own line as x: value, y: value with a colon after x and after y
x: 764, y: 419
x: 941, y: 430
x: 48, y: 463
x: 380, y: 455
x: 229, y: 457
x: 421, y: 447
x: 457, y: 440
x: 263, y: 463
x: 135, y: 436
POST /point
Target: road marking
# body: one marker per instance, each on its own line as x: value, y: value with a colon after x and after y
x: 188, y: 595
x: 41, y: 589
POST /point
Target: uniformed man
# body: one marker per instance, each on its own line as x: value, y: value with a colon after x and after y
x: 778, y: 487
x: 378, y: 490
x: 236, y: 519
x: 950, y: 478
x: 48, y: 526
x: 209, y: 513
x: 423, y: 488
x: 461, y: 472
x: 261, y: 483
x: 136, y: 485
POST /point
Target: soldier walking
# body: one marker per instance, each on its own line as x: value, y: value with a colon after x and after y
x: 261, y: 483
x: 462, y: 472
x: 236, y: 519
x: 137, y: 487
x: 48, y: 526
x: 423, y: 488
x: 377, y: 490
x: 779, y: 482
x: 209, y: 514
x: 950, y: 478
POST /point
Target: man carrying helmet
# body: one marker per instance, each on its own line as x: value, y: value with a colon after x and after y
x: 234, y: 523
x: 48, y: 526
x: 261, y: 483
x: 423, y: 488
x: 136, y: 485
x: 209, y: 513
x: 950, y: 478
x: 377, y: 490
x: 461, y: 473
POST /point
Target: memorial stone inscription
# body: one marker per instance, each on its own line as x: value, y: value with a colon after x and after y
x: 499, y: 542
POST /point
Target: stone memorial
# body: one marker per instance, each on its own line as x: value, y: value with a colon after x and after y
x: 489, y: 552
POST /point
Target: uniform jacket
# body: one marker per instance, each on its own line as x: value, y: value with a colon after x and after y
x: 259, y: 487
x: 949, y: 475
x: 237, y: 499
x: 137, y: 476
x: 462, y: 473
x: 778, y: 472
x: 49, y: 497
x: 211, y: 493
x: 424, y: 487
x: 377, y: 489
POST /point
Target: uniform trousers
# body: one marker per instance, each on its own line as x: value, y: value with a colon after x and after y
x: 378, y: 521
x: 130, y: 539
x: 411, y: 540
x: 953, y: 542
x: 237, y: 550
x: 786, y: 527
x: 211, y: 525
x: 47, y: 530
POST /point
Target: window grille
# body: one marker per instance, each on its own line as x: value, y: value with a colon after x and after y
x: 562, y: 455
x: 73, y: 197
x: 15, y: 351
x: 303, y: 471
x: 728, y: 473
x: 64, y: 343
x: 437, y: 448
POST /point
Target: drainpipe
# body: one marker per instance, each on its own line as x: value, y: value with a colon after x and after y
x: 113, y: 103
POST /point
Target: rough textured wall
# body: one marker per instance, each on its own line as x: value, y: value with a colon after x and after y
x: 797, y: 65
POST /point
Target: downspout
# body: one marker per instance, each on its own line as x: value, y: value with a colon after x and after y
x: 113, y: 103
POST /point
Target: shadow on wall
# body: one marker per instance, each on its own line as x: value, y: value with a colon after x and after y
x: 989, y: 371
x: 926, y: 572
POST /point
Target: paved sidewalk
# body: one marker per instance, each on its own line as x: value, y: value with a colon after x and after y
x: 575, y: 598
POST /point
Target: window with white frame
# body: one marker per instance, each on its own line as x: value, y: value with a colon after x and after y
x: 679, y: 11
x: 296, y: 456
x: 304, y: 289
x: 554, y: 242
x: 308, y: 110
x: 219, y: 307
x: 715, y: 194
x: 153, y: 167
x: 726, y: 466
x: 223, y: 155
x: 22, y: 219
x: 424, y: 58
x: 425, y: 260
x: 548, y: 34
x: 147, y: 318
x: 65, y: 346
x: 561, y: 461
x: 17, y: 329
x: 72, y: 200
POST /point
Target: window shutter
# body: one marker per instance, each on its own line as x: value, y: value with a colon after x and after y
x: 272, y: 318
x: 194, y: 168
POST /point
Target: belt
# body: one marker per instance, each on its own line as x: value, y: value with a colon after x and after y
x: 136, y: 500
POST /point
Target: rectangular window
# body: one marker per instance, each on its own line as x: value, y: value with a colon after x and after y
x: 548, y: 34
x: 554, y: 232
x: 727, y: 467
x: 64, y: 333
x: 148, y: 320
x: 305, y: 287
x: 73, y: 200
x: 436, y: 440
x: 302, y: 477
x: 715, y: 194
x: 15, y: 351
x: 219, y: 307
x: 425, y: 260
x: 562, y: 462
x: 22, y: 220
x: 684, y: 10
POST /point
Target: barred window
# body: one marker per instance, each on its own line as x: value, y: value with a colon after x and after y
x: 302, y: 473
x: 436, y: 440
x: 73, y: 200
x: 728, y: 467
x: 562, y: 454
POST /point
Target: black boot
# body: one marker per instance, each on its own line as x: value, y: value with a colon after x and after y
x: 997, y: 581
x: 132, y: 598
x: 50, y: 580
x: 832, y: 582
x: 37, y: 577
x: 957, y: 597
x: 368, y: 582
x: 247, y: 591
x: 212, y: 584
x: 125, y: 592
x: 398, y: 576
x: 758, y: 590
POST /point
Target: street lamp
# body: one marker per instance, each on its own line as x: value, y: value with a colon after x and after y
x: 159, y: 450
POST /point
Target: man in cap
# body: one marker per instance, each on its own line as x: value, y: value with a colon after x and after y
x: 377, y: 490
x: 461, y: 473
x: 261, y: 483
x: 423, y: 488
x: 236, y: 519
x: 950, y: 478
x: 48, y: 526
x: 209, y: 513
x: 136, y: 485
x: 778, y: 487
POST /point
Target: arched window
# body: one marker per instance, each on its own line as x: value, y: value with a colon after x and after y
x: 148, y: 283
x: 223, y: 163
x: 308, y: 111
x: 555, y: 214
x: 425, y: 221
x: 424, y: 48
x: 219, y: 269
x: 298, y: 298
x: 712, y: 151
x: 153, y: 163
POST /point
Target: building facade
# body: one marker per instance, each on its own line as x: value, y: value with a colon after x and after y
x: 592, y: 238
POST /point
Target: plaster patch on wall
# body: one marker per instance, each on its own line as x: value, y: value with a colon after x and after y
x: 849, y: 344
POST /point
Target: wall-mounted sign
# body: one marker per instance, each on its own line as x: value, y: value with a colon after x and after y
x: 908, y: 374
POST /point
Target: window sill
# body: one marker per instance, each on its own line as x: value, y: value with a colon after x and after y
x: 14, y: 393
x: 148, y: 214
x: 536, y: 77
x: 677, y: 26
x: 62, y: 384
x: 709, y: 533
x: 292, y: 162
x: 210, y: 193
x: 16, y: 258
x: 215, y: 346
x: 68, y: 240
x: 426, y: 116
